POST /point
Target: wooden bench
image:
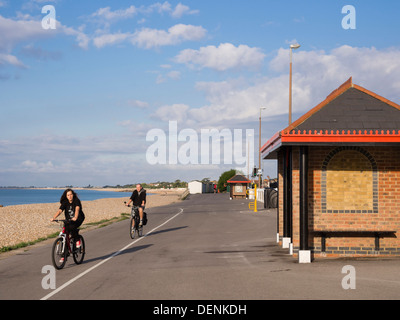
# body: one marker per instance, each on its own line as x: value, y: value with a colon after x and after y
x: 352, y: 233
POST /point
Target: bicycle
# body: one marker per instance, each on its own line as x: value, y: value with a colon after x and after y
x: 134, y: 226
x: 64, y: 246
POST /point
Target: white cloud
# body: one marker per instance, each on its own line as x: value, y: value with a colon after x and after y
x: 152, y: 38
x: 10, y: 59
x: 65, y: 160
x: 159, y: 7
x: 374, y: 69
x: 26, y: 29
x: 225, y: 56
x: 34, y: 166
x: 176, y: 112
x: 14, y: 32
x: 110, y: 39
x: 148, y: 38
x: 181, y: 9
x: 166, y: 7
x: 107, y: 14
x: 237, y: 101
x: 315, y: 75
x: 82, y: 38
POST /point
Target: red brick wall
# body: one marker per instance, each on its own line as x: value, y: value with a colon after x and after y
x: 382, y: 212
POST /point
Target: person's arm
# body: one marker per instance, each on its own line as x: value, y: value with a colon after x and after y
x: 77, y: 208
x: 131, y: 198
x: 144, y: 198
x: 56, y: 215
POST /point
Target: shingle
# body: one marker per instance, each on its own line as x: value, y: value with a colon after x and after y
x: 354, y: 109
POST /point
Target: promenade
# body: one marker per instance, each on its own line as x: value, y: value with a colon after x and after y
x: 204, y: 248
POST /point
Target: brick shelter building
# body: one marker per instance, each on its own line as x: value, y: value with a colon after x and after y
x: 238, y: 186
x: 339, y: 177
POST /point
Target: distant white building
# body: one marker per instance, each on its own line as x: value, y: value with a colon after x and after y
x: 197, y: 186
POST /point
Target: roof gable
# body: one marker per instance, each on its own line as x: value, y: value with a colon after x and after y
x: 350, y: 107
x: 238, y: 179
x: 350, y: 115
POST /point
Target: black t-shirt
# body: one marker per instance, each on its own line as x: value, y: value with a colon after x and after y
x: 138, y: 197
x: 69, y: 209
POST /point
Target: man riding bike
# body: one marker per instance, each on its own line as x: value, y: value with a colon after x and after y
x: 138, y: 198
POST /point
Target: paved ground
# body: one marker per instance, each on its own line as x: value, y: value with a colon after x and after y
x: 205, y: 248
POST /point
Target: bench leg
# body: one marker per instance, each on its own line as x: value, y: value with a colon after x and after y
x: 323, y: 242
x: 376, y: 241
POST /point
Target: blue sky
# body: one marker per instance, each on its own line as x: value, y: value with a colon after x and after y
x: 78, y: 101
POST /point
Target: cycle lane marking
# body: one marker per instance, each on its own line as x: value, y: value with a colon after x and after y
x: 107, y: 259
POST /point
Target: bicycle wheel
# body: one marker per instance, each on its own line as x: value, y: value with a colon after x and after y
x: 79, y: 253
x: 59, y: 254
x: 132, y: 230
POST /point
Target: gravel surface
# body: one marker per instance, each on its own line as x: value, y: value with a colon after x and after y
x: 23, y: 223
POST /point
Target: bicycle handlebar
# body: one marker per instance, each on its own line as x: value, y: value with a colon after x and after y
x: 130, y: 205
x: 60, y: 220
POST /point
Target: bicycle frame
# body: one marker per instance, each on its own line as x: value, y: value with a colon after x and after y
x: 63, y: 243
x: 135, y: 218
x: 66, y: 239
x: 134, y: 212
x: 64, y: 234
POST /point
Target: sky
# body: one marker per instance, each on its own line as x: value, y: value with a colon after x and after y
x: 121, y: 92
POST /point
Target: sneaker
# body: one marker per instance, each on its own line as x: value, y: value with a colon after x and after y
x: 62, y: 260
x: 78, y: 244
x: 140, y: 223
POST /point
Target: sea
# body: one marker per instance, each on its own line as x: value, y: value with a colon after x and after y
x: 9, y: 197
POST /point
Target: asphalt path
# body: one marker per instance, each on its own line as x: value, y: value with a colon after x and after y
x: 204, y: 248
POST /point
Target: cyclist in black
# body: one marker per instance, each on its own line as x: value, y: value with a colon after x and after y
x: 138, y: 198
x: 72, y: 207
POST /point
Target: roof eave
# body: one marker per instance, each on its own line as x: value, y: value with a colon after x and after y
x: 271, y: 146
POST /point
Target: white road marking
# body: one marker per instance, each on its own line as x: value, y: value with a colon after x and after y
x: 107, y: 259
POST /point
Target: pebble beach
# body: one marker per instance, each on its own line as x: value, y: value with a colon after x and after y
x: 29, y: 222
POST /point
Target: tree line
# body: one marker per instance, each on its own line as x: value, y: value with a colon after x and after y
x: 221, y: 184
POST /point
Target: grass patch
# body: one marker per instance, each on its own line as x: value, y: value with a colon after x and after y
x: 100, y: 224
x: 28, y: 243
x: 106, y: 222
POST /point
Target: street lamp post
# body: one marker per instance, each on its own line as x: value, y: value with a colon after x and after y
x: 259, y: 149
x: 292, y: 46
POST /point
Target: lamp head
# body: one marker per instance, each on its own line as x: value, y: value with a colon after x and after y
x: 294, y: 46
